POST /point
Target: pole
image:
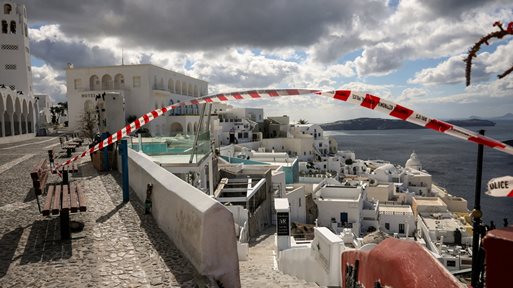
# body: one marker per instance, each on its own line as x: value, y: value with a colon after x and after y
x: 476, y: 217
x: 195, y: 145
x: 123, y: 149
x: 105, y: 154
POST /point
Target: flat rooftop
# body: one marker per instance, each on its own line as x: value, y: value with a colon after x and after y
x: 428, y: 201
x: 386, y: 209
x: 444, y: 224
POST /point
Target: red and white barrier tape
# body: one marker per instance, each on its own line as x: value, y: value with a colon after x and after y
x: 368, y: 101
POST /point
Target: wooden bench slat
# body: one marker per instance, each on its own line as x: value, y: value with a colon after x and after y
x: 48, y: 201
x: 65, y: 198
x: 56, y: 207
x: 81, y: 199
x: 74, y: 197
x: 42, y: 183
x: 39, y: 175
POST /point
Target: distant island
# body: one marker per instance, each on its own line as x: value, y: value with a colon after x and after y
x: 385, y: 124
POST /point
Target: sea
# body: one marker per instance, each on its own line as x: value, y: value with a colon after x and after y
x: 452, y: 162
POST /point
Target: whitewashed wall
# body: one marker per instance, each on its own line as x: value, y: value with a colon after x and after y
x: 199, y: 226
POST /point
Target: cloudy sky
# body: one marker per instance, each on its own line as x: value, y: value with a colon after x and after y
x: 409, y: 51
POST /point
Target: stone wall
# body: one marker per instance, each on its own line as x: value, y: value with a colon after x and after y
x: 200, y: 227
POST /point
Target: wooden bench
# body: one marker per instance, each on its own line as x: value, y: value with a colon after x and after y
x: 39, y: 175
x: 73, y: 141
x: 63, y: 199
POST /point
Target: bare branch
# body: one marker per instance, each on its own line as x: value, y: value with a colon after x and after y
x: 505, y: 73
x: 484, y: 40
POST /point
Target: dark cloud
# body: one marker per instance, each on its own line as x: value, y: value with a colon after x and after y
x: 454, y: 8
x: 59, y: 53
x: 197, y: 24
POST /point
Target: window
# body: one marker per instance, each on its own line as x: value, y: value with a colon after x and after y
x: 7, y: 9
x: 29, y: 69
x: 10, y: 66
x: 387, y: 226
x: 136, y: 81
x: 26, y: 30
x: 451, y: 263
x: 4, y: 26
x: 9, y: 47
x: 401, y: 228
x: 77, y: 84
x: 13, y: 27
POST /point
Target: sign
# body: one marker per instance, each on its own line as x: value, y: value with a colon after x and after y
x: 282, y: 218
x: 500, y: 187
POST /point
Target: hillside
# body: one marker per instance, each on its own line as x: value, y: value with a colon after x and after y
x: 385, y: 124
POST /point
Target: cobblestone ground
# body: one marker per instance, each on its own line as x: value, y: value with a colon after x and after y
x: 119, y: 245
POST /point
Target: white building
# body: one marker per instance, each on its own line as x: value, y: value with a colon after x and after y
x: 395, y: 218
x: 388, y: 173
x: 17, y: 105
x: 237, y: 125
x: 417, y: 180
x: 380, y: 191
x: 15, y: 68
x: 322, y: 144
x: 346, y: 206
x: 44, y: 102
x: 144, y: 87
x: 297, y: 203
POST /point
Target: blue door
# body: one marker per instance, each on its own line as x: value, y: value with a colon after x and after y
x: 343, y: 218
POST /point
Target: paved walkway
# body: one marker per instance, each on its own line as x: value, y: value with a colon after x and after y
x: 259, y: 270
x: 119, y: 246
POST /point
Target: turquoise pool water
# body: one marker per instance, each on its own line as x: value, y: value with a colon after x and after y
x: 160, y: 148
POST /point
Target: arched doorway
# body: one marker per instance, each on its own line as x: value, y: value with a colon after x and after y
x: 178, y: 87
x: 16, y: 116
x: 8, y: 115
x: 94, y: 83
x: 175, y: 129
x: 31, y: 117
x: 106, y: 82
x: 24, y: 114
x: 2, y: 111
x: 171, y: 86
x: 119, y: 81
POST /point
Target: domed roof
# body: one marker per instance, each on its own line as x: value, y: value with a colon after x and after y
x: 375, y: 237
x: 386, y: 169
x: 413, y: 162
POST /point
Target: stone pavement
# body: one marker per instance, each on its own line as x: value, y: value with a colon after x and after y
x: 118, y: 247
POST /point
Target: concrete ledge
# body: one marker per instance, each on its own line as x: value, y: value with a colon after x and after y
x: 200, y: 227
x: 17, y: 138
